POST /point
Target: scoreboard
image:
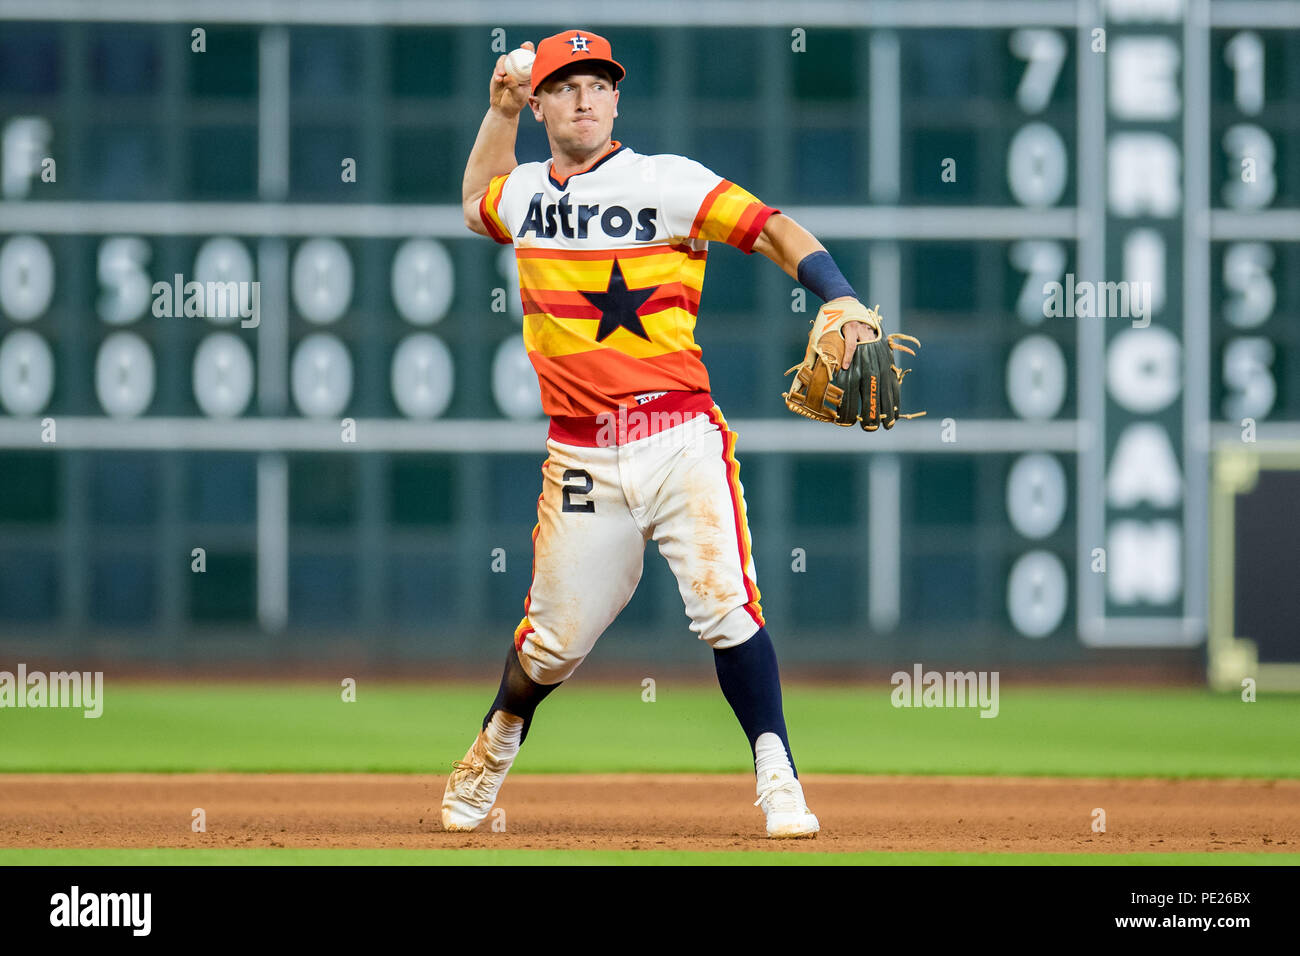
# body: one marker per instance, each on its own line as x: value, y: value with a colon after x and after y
x: 261, y: 392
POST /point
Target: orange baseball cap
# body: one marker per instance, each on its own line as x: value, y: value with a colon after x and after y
x: 573, y: 46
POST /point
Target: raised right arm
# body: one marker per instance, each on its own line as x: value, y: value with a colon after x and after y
x: 494, y: 148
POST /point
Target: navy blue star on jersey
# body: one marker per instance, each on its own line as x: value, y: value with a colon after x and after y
x: 618, y: 305
x: 578, y: 42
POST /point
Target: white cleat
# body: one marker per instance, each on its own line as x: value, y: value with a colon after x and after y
x: 788, y: 816
x: 473, y: 786
x: 779, y: 792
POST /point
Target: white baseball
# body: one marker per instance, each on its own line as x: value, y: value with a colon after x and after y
x: 519, y: 64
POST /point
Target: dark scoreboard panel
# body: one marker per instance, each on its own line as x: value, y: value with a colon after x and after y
x: 1255, y: 132
x: 955, y: 173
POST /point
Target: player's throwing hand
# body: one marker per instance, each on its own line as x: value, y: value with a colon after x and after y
x: 506, y: 94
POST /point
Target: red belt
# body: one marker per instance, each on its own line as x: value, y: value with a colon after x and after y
x: 625, y: 424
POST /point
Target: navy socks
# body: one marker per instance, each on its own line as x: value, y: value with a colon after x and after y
x: 747, y: 674
x: 518, y: 694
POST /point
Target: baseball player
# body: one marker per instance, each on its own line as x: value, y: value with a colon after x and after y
x: 611, y: 248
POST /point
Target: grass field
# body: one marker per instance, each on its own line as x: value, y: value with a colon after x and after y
x: 419, y: 729
x: 399, y: 728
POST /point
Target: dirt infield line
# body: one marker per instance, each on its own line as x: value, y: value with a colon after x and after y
x: 651, y: 812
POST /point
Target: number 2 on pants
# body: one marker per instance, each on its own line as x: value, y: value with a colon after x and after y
x: 582, y: 486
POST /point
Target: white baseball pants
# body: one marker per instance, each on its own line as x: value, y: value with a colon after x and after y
x: 679, y: 486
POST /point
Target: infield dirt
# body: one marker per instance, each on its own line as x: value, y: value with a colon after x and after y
x: 641, y: 811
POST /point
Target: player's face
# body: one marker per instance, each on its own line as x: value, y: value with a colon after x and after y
x: 578, y: 110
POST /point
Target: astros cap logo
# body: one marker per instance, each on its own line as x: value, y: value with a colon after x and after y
x: 573, y: 46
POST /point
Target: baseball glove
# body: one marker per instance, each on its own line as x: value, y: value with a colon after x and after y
x: 868, y: 390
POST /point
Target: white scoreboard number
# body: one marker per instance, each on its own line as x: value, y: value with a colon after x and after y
x: 1251, y: 296
x: 223, y: 375
x: 1036, y: 375
x: 26, y: 361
